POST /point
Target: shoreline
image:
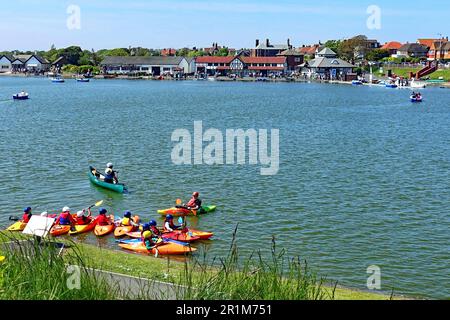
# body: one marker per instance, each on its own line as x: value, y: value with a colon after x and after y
x: 166, y: 269
x: 443, y: 85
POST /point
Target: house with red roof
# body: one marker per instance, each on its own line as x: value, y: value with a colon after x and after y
x: 168, y: 52
x: 240, y: 65
x: 392, y: 47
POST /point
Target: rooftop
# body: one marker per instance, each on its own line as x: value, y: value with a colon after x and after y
x: 393, y: 45
x: 135, y: 60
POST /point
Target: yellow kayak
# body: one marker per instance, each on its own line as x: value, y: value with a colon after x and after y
x: 18, y: 226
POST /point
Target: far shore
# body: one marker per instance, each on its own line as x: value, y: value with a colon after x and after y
x: 221, y: 78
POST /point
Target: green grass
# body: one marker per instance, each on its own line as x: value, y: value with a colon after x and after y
x: 404, y: 72
x: 33, y: 271
x: 252, y: 278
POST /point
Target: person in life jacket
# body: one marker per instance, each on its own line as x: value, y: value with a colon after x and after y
x: 65, y: 218
x: 169, y: 226
x: 83, y: 219
x: 195, y: 203
x: 110, y: 174
x: 26, y: 215
x: 102, y: 219
x: 128, y: 220
x: 147, y: 238
x: 152, y: 227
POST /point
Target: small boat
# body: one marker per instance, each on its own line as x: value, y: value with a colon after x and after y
x: 121, y: 231
x: 98, y: 179
x: 59, y: 230
x: 101, y: 231
x: 17, y: 226
x: 178, y: 212
x: 21, y: 96
x: 58, y: 80
x: 79, y: 229
x: 417, y: 84
x: 166, y: 248
x: 415, y: 98
x: 82, y: 80
x: 391, y: 85
x: 357, y: 83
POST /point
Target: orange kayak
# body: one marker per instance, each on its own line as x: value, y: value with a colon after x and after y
x: 203, y: 235
x: 59, y: 230
x: 164, y: 249
x: 79, y: 229
x: 123, y: 230
x: 101, y: 231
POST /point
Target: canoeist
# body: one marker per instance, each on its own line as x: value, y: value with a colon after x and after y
x: 110, y: 174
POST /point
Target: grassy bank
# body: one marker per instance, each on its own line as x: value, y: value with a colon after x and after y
x: 253, y: 277
x: 404, y: 72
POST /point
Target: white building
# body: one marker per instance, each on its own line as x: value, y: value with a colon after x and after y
x: 157, y: 65
x: 5, y: 64
x: 30, y: 62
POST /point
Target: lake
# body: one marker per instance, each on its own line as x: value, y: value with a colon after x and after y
x: 363, y: 177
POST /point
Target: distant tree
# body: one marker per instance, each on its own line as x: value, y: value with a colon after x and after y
x: 354, y: 47
x: 72, y: 54
x: 223, y: 52
x: 377, y: 54
x: 334, y: 45
x: 121, y: 52
x: 184, y: 52
x: 86, y: 58
x: 140, y: 52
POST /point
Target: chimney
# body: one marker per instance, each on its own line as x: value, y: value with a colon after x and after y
x: 257, y: 42
x: 289, y: 43
x: 267, y: 42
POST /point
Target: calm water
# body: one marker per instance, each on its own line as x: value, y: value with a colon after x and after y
x: 363, y: 180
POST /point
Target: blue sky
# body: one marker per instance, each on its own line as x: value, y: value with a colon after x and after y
x: 37, y: 24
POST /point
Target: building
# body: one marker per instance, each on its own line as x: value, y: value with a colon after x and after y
x: 310, y: 51
x: 392, y: 47
x: 327, y: 66
x: 293, y: 59
x: 413, y: 50
x: 241, y: 66
x: 23, y: 62
x: 6, y: 63
x: 266, y: 49
x: 168, y: 52
x: 437, y: 49
x: 154, y: 65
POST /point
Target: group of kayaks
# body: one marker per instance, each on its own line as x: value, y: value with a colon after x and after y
x: 171, y: 243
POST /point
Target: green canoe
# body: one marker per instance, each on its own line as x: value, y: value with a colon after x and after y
x: 96, y: 178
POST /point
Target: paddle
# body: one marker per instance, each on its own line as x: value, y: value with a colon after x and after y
x: 97, y: 204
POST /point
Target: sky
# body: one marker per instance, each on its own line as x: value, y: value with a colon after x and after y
x: 38, y: 24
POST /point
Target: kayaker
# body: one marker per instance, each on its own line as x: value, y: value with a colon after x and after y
x: 82, y: 218
x: 169, y: 226
x: 195, y: 203
x: 152, y: 227
x: 26, y: 215
x: 65, y: 218
x: 128, y: 220
x: 147, y: 237
x: 102, y: 219
x: 110, y: 174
